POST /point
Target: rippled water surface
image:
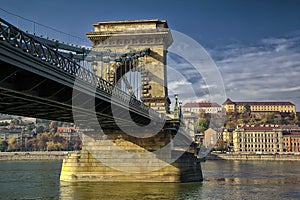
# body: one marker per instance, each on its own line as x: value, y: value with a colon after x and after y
x: 222, y: 180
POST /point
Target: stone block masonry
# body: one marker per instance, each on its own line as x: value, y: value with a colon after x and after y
x: 83, y: 166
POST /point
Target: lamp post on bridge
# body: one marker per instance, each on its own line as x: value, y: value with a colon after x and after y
x: 94, y: 66
x: 180, y: 111
x: 176, y: 110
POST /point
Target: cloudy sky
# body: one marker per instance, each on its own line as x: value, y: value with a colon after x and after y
x: 255, y: 45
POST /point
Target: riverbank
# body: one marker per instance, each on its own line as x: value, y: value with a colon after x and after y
x: 33, y: 155
x: 275, y: 157
x: 60, y: 155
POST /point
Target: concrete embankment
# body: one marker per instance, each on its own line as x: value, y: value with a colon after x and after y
x: 33, y: 155
x: 275, y: 157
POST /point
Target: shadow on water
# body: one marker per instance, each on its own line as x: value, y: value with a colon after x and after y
x: 129, y: 191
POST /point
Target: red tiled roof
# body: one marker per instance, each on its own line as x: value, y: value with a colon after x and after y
x: 260, y: 127
x: 201, y: 104
x: 62, y: 129
x: 294, y: 134
x: 228, y: 101
x: 285, y: 103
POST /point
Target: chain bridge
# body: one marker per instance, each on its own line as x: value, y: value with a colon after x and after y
x: 125, y: 69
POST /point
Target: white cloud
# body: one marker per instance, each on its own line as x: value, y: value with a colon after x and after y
x: 174, y: 85
x: 268, y: 71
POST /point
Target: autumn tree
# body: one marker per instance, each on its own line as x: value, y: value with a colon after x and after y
x: 53, y: 146
x: 13, y: 145
x: 31, y: 145
x: 42, y: 140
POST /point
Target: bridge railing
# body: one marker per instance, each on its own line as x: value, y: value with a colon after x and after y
x: 30, y: 45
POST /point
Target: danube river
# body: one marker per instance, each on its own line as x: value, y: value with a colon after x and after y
x: 222, y: 180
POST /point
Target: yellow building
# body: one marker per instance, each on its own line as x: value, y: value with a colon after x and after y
x: 292, y: 142
x: 240, y: 107
x: 227, y: 136
x: 259, y: 139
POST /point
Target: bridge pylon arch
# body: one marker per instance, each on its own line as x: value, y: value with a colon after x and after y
x: 136, y: 35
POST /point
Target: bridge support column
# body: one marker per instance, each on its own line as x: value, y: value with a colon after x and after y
x: 137, y: 35
x: 97, y: 164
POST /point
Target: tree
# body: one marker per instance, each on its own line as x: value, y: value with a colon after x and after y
x: 202, y: 124
x: 3, y: 145
x: 77, y: 144
x: 31, y: 144
x: 263, y: 120
x: 278, y: 120
x: 56, y: 138
x: 296, y: 120
x: 13, y: 145
x: 29, y: 127
x: 230, y: 125
x: 40, y: 129
x: 270, y: 118
x: 240, y: 121
x: 42, y: 140
x: 50, y: 146
x: 220, y: 145
x: 247, y: 108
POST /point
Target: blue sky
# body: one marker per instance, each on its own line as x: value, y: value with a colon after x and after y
x: 255, y: 44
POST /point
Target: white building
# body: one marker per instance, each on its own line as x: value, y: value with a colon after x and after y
x: 206, y: 107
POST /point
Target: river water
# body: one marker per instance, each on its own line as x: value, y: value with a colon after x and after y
x: 222, y: 180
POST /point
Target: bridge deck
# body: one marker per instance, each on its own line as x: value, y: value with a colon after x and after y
x: 39, y: 82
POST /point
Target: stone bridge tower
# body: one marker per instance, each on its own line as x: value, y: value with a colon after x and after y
x: 137, y: 35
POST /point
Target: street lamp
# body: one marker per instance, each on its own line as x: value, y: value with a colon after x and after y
x: 176, y: 107
x: 94, y: 66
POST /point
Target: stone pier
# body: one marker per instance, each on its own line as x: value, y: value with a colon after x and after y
x: 86, y: 166
x: 82, y: 166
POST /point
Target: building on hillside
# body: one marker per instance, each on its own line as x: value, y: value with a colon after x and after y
x: 19, y: 134
x: 7, y: 134
x: 189, y: 121
x: 5, y: 121
x: 259, y: 139
x: 291, y: 142
x: 284, y: 106
x: 210, y: 138
x: 206, y: 107
x: 291, y: 138
x: 69, y: 133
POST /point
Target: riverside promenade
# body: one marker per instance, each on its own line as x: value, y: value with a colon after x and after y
x: 265, y: 157
x: 33, y: 155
